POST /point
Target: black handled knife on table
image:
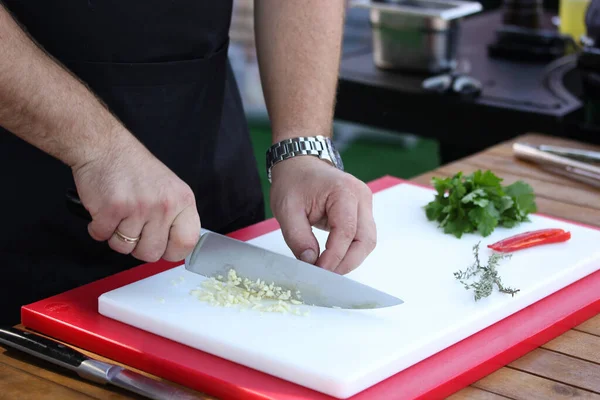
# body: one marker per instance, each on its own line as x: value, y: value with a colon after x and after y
x: 88, y: 368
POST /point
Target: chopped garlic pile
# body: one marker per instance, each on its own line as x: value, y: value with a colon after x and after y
x: 244, y: 293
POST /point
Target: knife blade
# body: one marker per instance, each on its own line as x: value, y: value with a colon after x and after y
x: 91, y: 369
x: 216, y: 254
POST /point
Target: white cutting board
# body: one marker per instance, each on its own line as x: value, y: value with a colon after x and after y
x: 341, y: 352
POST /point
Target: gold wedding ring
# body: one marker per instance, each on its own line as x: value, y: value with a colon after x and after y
x: 126, y: 239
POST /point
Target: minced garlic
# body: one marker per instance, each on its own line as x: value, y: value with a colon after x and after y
x: 178, y: 281
x: 244, y: 293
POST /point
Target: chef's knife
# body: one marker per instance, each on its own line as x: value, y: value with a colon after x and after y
x: 88, y: 368
x: 216, y: 254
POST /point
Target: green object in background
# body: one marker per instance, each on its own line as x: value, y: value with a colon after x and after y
x: 366, y: 156
x: 369, y: 158
x: 261, y: 140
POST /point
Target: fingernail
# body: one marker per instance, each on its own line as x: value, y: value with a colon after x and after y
x: 308, y: 256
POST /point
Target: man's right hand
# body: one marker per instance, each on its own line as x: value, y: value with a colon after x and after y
x: 126, y: 189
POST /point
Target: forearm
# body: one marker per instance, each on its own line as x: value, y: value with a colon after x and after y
x: 46, y: 105
x: 299, y: 46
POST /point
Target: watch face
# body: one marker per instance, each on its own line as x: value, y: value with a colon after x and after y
x: 335, y: 155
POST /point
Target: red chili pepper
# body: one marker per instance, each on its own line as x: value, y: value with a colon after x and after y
x: 530, y: 239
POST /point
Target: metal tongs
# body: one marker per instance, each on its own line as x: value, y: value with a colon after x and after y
x: 576, y: 164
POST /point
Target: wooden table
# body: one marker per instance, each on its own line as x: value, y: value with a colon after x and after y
x: 568, y: 366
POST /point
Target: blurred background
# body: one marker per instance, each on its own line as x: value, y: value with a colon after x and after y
x: 425, y: 82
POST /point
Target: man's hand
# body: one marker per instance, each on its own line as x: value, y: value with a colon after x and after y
x: 299, y: 46
x: 307, y: 192
x: 122, y: 185
x: 127, y: 189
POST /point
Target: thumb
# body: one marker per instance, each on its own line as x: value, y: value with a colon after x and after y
x: 298, y: 234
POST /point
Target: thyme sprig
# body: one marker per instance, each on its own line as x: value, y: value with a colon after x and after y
x: 488, y: 276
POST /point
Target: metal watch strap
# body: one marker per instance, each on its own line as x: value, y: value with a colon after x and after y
x: 299, y: 146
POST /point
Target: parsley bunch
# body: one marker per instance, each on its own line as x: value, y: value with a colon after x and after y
x: 479, y: 203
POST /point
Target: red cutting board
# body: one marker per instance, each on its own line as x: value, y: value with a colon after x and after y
x: 73, y: 318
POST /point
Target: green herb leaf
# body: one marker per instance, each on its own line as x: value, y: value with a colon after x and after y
x: 434, y: 210
x: 458, y: 225
x: 504, y: 203
x: 509, y: 223
x: 485, y: 219
x: 479, y: 202
x: 473, y: 196
x: 487, y: 179
x: 442, y: 185
x: 523, y: 196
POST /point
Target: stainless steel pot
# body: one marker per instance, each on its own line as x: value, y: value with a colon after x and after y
x: 417, y: 35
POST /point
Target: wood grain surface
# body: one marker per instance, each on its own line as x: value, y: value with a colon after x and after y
x: 565, y: 367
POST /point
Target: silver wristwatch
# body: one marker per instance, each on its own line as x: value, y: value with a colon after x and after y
x: 319, y: 146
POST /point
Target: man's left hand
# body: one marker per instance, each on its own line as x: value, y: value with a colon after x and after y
x: 306, y: 192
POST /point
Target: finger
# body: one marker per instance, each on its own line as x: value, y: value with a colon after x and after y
x: 131, y: 227
x: 153, y: 240
x: 297, y: 232
x: 342, y: 213
x: 364, y: 242
x: 183, y: 236
x: 105, y: 222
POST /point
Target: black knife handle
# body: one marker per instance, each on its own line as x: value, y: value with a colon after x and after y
x: 41, y: 347
x: 75, y: 205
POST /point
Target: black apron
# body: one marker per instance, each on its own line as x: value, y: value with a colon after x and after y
x: 161, y: 67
